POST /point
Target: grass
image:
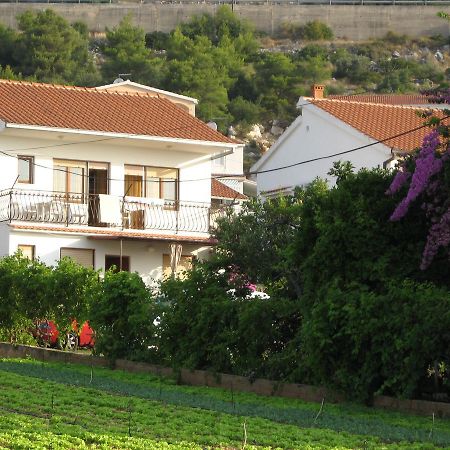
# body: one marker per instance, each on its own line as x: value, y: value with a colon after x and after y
x: 51, y: 405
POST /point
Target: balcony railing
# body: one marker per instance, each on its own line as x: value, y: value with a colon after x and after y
x: 136, y: 213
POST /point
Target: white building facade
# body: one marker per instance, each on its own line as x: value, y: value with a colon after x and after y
x: 108, y: 179
x: 329, y: 130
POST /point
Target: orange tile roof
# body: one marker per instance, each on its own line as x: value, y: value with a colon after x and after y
x: 113, y: 234
x: 221, y: 190
x: 381, y: 122
x: 78, y: 108
x: 385, y: 99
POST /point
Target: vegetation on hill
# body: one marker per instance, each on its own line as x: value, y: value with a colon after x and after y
x: 239, y: 78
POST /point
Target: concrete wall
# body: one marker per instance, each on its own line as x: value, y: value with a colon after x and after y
x: 352, y: 22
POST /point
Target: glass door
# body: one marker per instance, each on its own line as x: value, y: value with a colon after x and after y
x: 97, y: 184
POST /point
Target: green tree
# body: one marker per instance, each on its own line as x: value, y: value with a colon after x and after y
x: 8, y: 39
x: 276, y: 81
x: 52, y: 50
x: 125, y: 51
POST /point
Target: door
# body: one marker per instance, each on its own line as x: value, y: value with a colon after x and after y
x: 97, y: 184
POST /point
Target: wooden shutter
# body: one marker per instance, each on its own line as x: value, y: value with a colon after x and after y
x: 83, y: 256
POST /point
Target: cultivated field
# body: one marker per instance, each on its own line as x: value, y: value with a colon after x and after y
x: 56, y: 406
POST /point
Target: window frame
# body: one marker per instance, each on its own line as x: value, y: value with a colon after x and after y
x: 31, y: 246
x: 123, y: 258
x: 144, y: 193
x: 30, y: 160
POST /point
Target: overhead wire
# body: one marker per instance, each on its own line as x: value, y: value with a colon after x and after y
x: 218, y: 177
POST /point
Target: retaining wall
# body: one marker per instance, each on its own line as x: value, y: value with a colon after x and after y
x: 225, y: 381
x: 357, y: 22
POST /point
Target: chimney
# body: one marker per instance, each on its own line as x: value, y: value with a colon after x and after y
x: 317, y: 91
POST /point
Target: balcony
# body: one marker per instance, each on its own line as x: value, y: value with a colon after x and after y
x: 107, y: 211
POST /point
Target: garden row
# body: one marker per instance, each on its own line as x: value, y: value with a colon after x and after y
x: 80, y: 407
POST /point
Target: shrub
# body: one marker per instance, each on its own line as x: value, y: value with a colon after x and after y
x: 123, y: 318
x: 311, y: 31
x: 206, y: 327
x: 72, y: 289
x: 363, y: 342
x: 316, y: 31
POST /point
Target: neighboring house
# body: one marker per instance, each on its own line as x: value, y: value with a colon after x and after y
x: 328, y: 126
x: 106, y: 178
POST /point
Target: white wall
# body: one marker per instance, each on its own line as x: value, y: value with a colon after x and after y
x: 231, y: 164
x: 193, y: 165
x: 4, y: 239
x: 145, y: 256
x: 314, y: 134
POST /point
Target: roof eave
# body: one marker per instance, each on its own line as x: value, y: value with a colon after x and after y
x: 116, y: 135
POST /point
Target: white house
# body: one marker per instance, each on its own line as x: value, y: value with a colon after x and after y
x: 358, y: 129
x: 104, y: 177
x: 227, y: 168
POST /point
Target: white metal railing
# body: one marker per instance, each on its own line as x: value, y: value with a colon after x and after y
x: 107, y: 211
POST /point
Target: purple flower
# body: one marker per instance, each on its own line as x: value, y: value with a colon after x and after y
x: 438, y: 236
x: 427, y: 165
x: 400, y: 179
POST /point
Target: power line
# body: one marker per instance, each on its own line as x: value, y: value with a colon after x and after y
x: 221, y: 176
x: 307, y: 161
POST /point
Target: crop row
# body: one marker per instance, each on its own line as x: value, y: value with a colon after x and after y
x: 152, y: 388
x: 76, y: 411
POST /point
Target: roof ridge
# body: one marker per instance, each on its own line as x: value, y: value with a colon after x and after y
x: 385, y: 105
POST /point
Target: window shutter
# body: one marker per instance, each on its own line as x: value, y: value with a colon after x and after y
x: 83, y: 256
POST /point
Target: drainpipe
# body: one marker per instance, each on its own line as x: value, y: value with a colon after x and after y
x: 121, y: 253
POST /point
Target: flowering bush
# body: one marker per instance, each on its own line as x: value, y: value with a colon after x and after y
x: 428, y: 180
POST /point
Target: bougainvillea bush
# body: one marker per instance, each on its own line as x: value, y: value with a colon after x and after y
x: 426, y: 179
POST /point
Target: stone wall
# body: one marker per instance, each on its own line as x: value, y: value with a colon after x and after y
x: 357, y: 22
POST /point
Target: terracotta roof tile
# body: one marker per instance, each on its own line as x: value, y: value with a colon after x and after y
x: 108, y: 233
x: 99, y: 110
x: 385, y: 99
x: 380, y: 121
x: 220, y: 190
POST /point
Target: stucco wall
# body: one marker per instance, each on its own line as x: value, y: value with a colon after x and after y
x: 353, y: 22
x: 146, y: 257
x: 315, y: 134
x: 193, y: 166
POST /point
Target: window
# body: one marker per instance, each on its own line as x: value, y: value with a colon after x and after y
x: 114, y: 261
x: 25, y: 169
x: 69, y: 176
x: 28, y: 251
x: 184, y: 264
x: 151, y: 182
x: 83, y: 256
